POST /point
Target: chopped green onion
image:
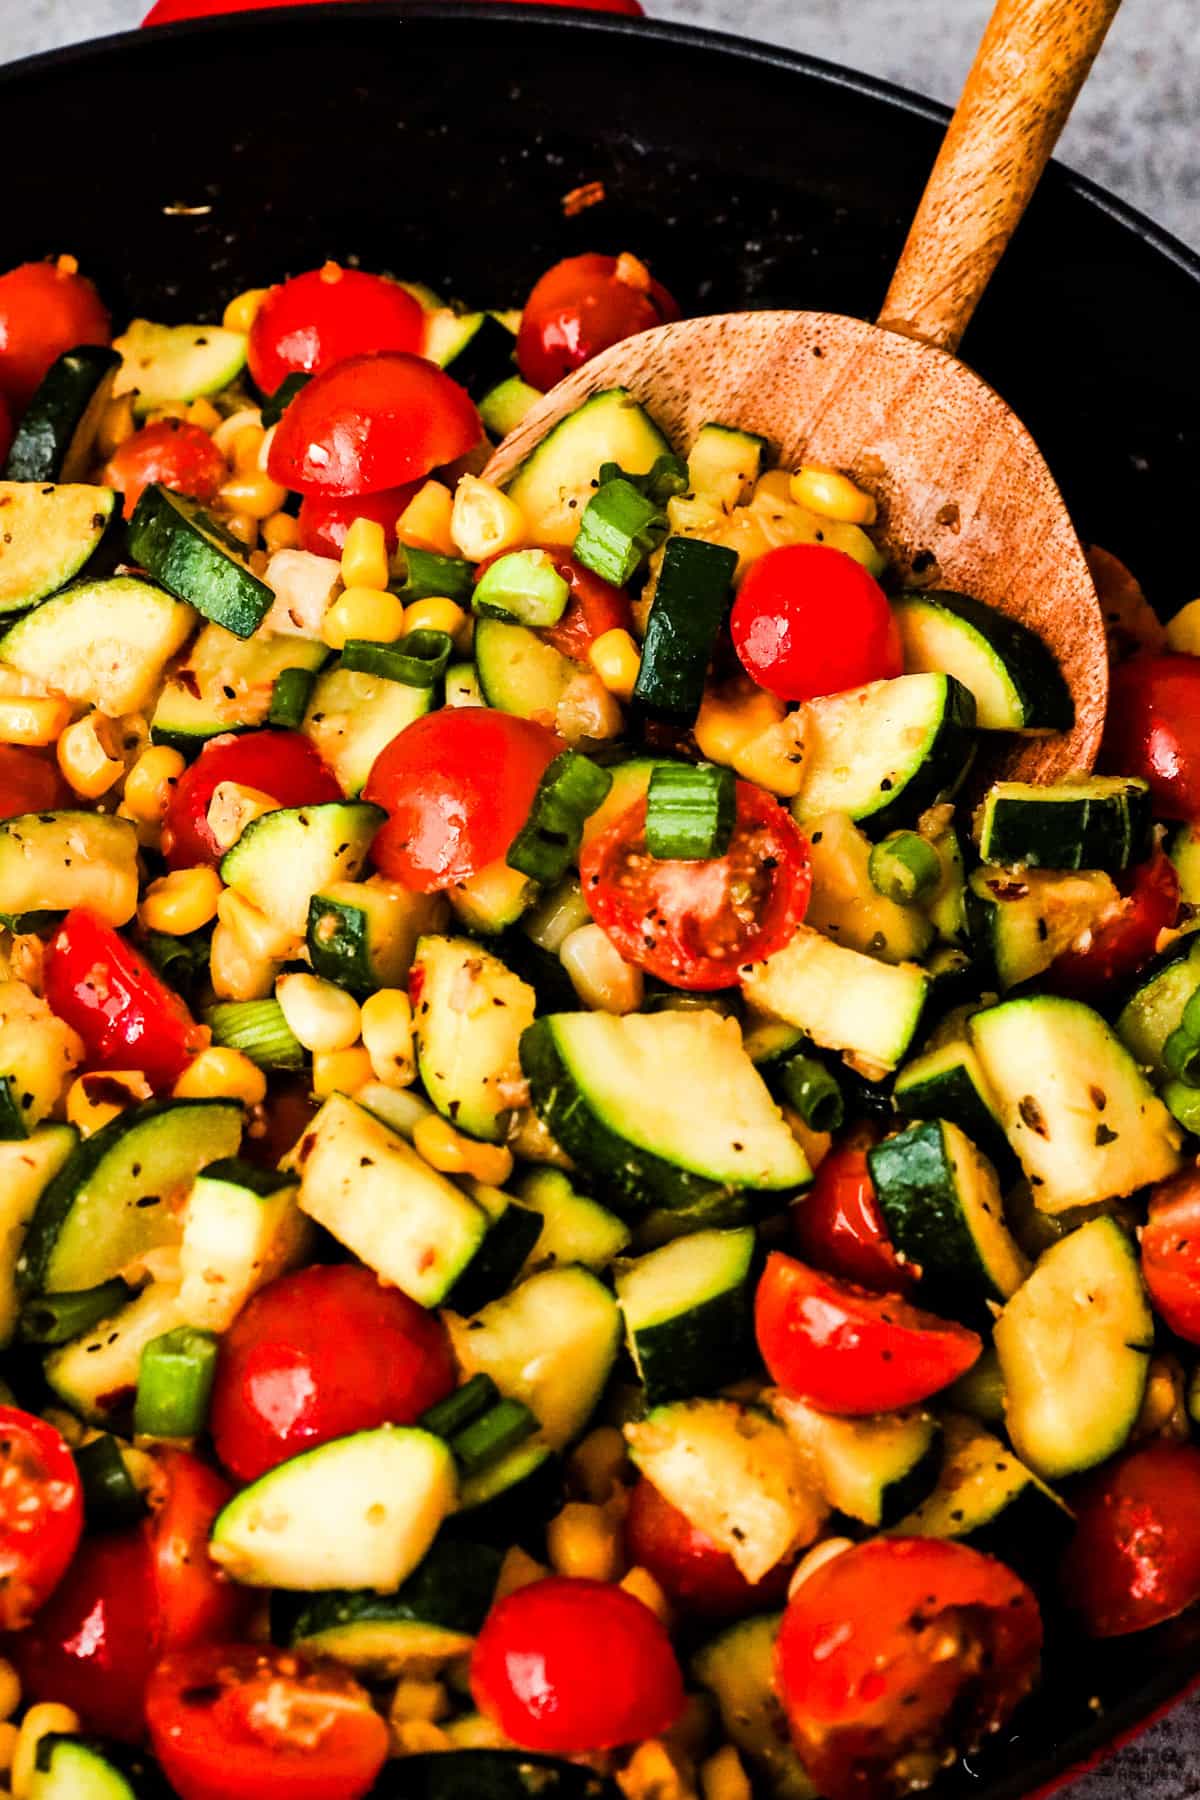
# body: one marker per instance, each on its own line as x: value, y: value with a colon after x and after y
x: 276, y: 404
x: 526, y: 586
x: 429, y: 576
x: 568, y: 794
x: 1183, y: 1102
x: 415, y: 660
x: 809, y: 1086
x: 486, y: 1438
x: 175, y: 1378
x: 53, y: 1318
x: 619, y: 530
x: 904, y: 867
x: 449, y: 1416
x: 1181, y: 1053
x: 690, y: 811
x: 110, y: 1497
x: 668, y: 476
x: 290, y: 697
x: 259, y: 1030
x: 1190, y: 1020
x: 691, y: 598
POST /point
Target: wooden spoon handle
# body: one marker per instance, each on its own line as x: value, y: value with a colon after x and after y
x: 1034, y: 58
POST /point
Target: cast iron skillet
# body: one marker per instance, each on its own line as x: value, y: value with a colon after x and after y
x: 436, y: 140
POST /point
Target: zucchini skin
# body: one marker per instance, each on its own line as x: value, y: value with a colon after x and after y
x: 76, y: 384
x: 452, y: 1588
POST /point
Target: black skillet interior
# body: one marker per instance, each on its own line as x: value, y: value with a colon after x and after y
x: 437, y: 141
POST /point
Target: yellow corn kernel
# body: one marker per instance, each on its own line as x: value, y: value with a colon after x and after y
x: 9, y: 1735
x: 221, y: 1073
x: 93, y: 1100
x: 225, y: 436
x: 597, y: 1464
x: 832, y: 494
x: 233, y: 807
x: 585, y: 1541
x: 259, y: 934
x: 641, y: 1584
x: 775, y: 758
x: 33, y: 721
x: 117, y: 425
x: 416, y: 1737
x: 615, y: 657
x: 722, y: 1777
x: 181, y: 902
x: 732, y: 716
x: 436, y: 614
x: 387, y: 1032
x: 38, y: 1723
x: 252, y: 494
x: 242, y: 310
x: 816, y: 1145
x: 772, y: 490
x: 86, y: 756
x: 320, y: 1015
x: 363, y: 612
x: 651, y: 1774
x: 485, y: 521
x: 518, y: 1570
x: 364, y: 555
x: 236, y: 971
x: 425, y: 522
x: 280, y: 532
x: 443, y: 1148
x: 340, y: 1071
x: 151, y: 781
x: 203, y: 413
x: 601, y: 977
x: 412, y: 1699
x: 149, y: 836
x: 10, y: 1689
x: 244, y: 449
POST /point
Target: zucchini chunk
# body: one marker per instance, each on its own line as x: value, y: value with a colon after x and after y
x: 558, y: 478
x: 490, y: 1774
x: 986, y: 1497
x: 197, y: 560
x: 492, y: 900
x: 840, y: 999
x: 947, y: 906
x: 47, y: 535
x: 38, y: 1054
x: 96, y: 1374
x: 630, y: 783
x: 26, y: 1168
x: 77, y: 1768
x: 518, y: 671
x: 285, y: 857
x: 724, y: 464
x: 738, y: 1669
x: 227, y: 683
x: 504, y: 406
x: 1155, y: 1006
x: 57, y: 431
x: 241, y: 1228
x: 574, y: 1228
x: 1023, y: 921
x: 1183, y: 846
x: 476, y: 348
x: 947, y: 1082
x: 512, y: 1236
x: 470, y: 1013
x: 176, y: 362
x: 1101, y: 822
x: 1016, y: 682
x: 352, y: 716
x: 874, y: 1469
x: 689, y: 1313
x: 845, y: 905
x: 102, y: 642
x: 364, y: 935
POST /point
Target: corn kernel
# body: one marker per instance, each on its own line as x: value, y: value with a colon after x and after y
x: 32, y: 721
x: 95, y: 1099
x: 597, y: 1464
x: 252, y: 493
x: 243, y: 526
x: 425, y: 522
x: 259, y: 934
x: 587, y: 710
x: 38, y: 1723
x: 220, y: 1073
x: 244, y: 449
x: 412, y: 1699
x: 364, y: 555
x: 363, y: 612
x: 775, y: 759
x: 617, y: 661
x: 86, y: 756
x: 816, y: 1145
x: 722, y: 1777
x: 832, y: 494
x: 149, y: 835
x: 387, y: 1032
x: 651, y: 1774
x: 584, y: 1541
x: 641, y: 1584
x: 484, y: 521
x: 151, y: 782
x: 416, y: 1737
x: 225, y: 436
x: 518, y: 1570
x: 242, y: 310
x: 236, y: 971
x: 732, y: 716
x: 117, y: 426
x: 437, y: 613
x: 340, y: 1071
x: 9, y: 1737
x: 203, y: 413
x: 280, y: 532
x: 181, y: 902
x: 233, y: 807
x: 601, y: 977
x: 443, y: 1148
x: 321, y: 1016
x: 10, y: 1689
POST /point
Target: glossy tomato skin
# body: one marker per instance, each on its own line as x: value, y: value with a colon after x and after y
x: 372, y: 422
x: 582, y: 306
x: 838, y: 1226
x: 1121, y: 945
x: 316, y: 1355
x: 851, y: 1352
x: 45, y: 309
x: 1135, y: 1557
x: 325, y: 315
x: 458, y: 785
x: 125, y: 1013
x: 862, y: 1663
x: 180, y: 456
x: 252, y: 1722
x: 1152, y: 729
x: 195, y: 1601
x: 283, y: 764
x: 323, y: 521
x: 536, y: 1663
x: 30, y: 782
x: 166, y: 12
x: 1171, y: 1253
x: 691, y: 1570
x: 680, y: 920
x: 41, y: 1514
x: 809, y: 620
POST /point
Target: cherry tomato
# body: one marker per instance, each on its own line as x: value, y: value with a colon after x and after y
x: 30, y: 782
x: 1135, y: 1557
x: 180, y: 456
x: 319, y: 1354
x: 535, y: 1664
x: 126, y: 1015
x: 1118, y: 947
x: 1171, y: 1253
x: 45, y: 308
x: 458, y: 785
x: 320, y: 318
x: 582, y: 306
x: 691, y: 1570
x: 41, y: 1514
x: 1152, y: 729
x: 837, y: 1226
x: 323, y: 520
x: 849, y: 1351
x: 281, y: 763
x: 898, y: 1651
x: 6, y: 428
x: 809, y: 620
x: 695, y: 924
x: 251, y: 1722
x: 195, y: 1601
x: 167, y: 12
x: 372, y: 422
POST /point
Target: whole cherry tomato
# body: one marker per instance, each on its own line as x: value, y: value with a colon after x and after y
x: 535, y: 1665
x: 317, y: 319
x: 1120, y: 945
x: 809, y: 620
x: 838, y: 1226
x: 167, y: 12
x: 318, y: 1354
x: 372, y: 422
x: 195, y: 1602
x: 283, y: 764
x: 458, y: 785
x: 849, y: 1351
x: 582, y: 306
x: 1171, y: 1253
x: 251, y: 1722
x: 897, y: 1651
x: 180, y: 456
x: 324, y: 520
x: 1135, y: 1557
x: 691, y: 1570
x: 594, y: 606
x: 695, y: 924
x: 126, y: 1015
x: 30, y: 782
x: 1152, y: 729
x: 45, y: 309
x: 41, y: 1514
x: 6, y: 428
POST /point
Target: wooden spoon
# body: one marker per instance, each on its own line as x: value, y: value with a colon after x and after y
x: 965, y: 499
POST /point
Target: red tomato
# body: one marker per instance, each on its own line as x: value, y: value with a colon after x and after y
x: 6, y: 428
x: 595, y: 606
x: 837, y: 1226
x: 458, y: 785
x: 126, y: 1015
x: 41, y: 1514
x: 535, y: 1665
x: 896, y: 1651
x: 695, y: 924
x: 849, y: 1351
x: 1171, y: 1253
x: 196, y: 1601
x: 166, y: 12
x: 289, y: 1110
x: 688, y: 1566
x: 1120, y: 946
x: 324, y: 520
x: 251, y: 1722
x: 281, y: 763
x: 180, y: 456
x: 30, y: 782
x: 1135, y: 1557
x: 317, y: 319
x: 372, y: 422
x: 1152, y: 729
x: 45, y: 308
x: 319, y: 1354
x: 582, y: 306
x: 809, y: 620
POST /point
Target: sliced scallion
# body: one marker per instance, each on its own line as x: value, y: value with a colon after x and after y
x: 690, y: 811
x: 416, y: 660
x: 53, y: 1318
x: 428, y: 576
x: 485, y: 1439
x: 904, y: 867
x: 668, y: 476
x: 289, y: 698
x: 809, y: 1086
x: 619, y: 530
x: 175, y: 1378
x: 525, y: 586
x: 259, y: 1030
x: 1181, y: 1053
x: 568, y: 794
x: 451, y: 1415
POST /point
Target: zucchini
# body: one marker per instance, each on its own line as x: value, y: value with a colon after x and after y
x: 947, y: 906
x: 352, y: 716
x: 363, y: 935
x: 56, y: 433
x: 630, y: 783
x: 986, y: 1497
x: 285, y: 857
x: 1014, y: 678
x: 511, y: 1239
x: 461, y: 685
x: 872, y: 1469
x: 1183, y: 846
x: 490, y: 1774
x: 469, y: 1015
x: 38, y: 1055
x: 476, y: 348
x: 691, y: 599
x: 1156, y: 1004
x: 241, y: 1228
x: 1099, y: 822
x: 738, y: 1669
x: 505, y: 405
x: 197, y: 560
x: 492, y: 900
x: 557, y: 479
x: 845, y: 905
x: 227, y: 683
x: 724, y: 464
x: 105, y: 643
x: 574, y: 1228
x: 78, y: 1768
x: 1023, y: 921
x: 26, y: 1169
x: 97, y: 1374
x: 47, y: 535
x: 689, y: 1313
x: 160, y: 363
x: 947, y: 1082
x: 840, y: 999
x: 518, y: 671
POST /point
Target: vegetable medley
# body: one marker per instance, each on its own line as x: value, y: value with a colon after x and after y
x: 570, y: 1223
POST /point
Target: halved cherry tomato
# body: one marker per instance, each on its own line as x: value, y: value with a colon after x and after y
x: 41, y: 1514
x: 324, y: 520
x: 30, y: 782
x: 535, y: 1668
x: 45, y: 308
x: 594, y: 607
x: 167, y: 12
x: 195, y: 1602
x: 837, y: 1226
x: 251, y: 1722
x: 372, y: 422
x: 325, y: 315
x: 6, y: 428
x: 1171, y: 1253
x: 809, y: 620
x: 1118, y: 947
x: 1135, y: 1557
x: 895, y: 1653
x: 459, y: 785
x: 180, y: 456
x: 583, y: 305
x: 281, y: 763
x: 695, y: 924
x: 1152, y: 729
x: 126, y: 1015
x: 691, y: 1570
x: 318, y: 1354
x: 849, y: 1351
